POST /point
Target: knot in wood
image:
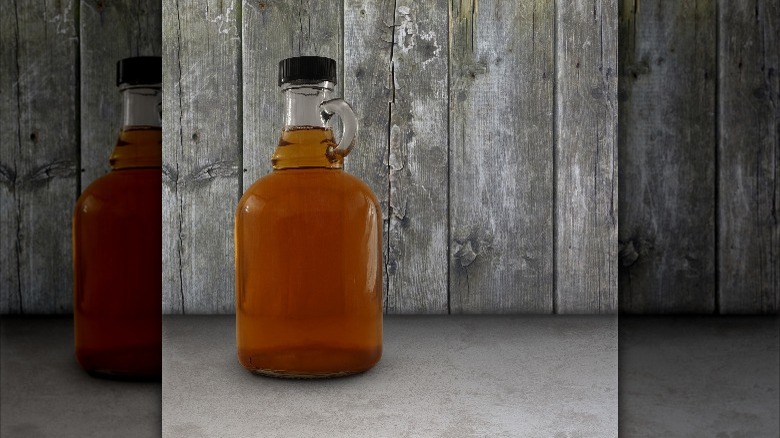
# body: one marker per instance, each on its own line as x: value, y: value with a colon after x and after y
x: 628, y: 254
x: 465, y: 254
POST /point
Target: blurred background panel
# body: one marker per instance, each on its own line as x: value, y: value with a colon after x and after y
x: 39, y: 154
x: 60, y: 121
x: 699, y: 134
x: 60, y: 118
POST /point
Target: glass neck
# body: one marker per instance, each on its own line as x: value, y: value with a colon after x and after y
x: 141, y: 106
x: 302, y: 104
x: 140, y: 139
x: 306, y: 136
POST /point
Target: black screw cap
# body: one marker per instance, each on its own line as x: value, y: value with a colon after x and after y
x: 139, y: 70
x: 307, y: 69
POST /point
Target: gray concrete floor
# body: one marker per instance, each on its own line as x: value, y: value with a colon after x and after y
x: 716, y: 376
x: 551, y: 376
x: 440, y: 376
x: 44, y: 392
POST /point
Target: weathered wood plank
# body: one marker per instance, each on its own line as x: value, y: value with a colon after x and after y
x: 368, y: 87
x: 501, y: 157
x: 10, y: 291
x: 273, y: 31
x: 748, y: 156
x: 586, y: 157
x: 417, y: 234
x: 202, y: 153
x: 667, y: 156
x: 110, y: 31
x: 43, y: 78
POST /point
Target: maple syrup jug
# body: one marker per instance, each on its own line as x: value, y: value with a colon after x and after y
x: 308, y: 242
x: 117, y: 239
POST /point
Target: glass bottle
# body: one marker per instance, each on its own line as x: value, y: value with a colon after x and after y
x: 308, y: 242
x: 117, y: 240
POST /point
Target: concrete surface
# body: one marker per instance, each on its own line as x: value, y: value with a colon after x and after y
x: 457, y: 376
x: 713, y: 376
x: 44, y: 392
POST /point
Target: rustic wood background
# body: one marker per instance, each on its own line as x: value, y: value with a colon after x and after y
x: 60, y: 112
x: 488, y: 130
x: 699, y: 151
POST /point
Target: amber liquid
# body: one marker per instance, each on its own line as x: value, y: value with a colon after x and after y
x: 308, y: 265
x: 117, y: 241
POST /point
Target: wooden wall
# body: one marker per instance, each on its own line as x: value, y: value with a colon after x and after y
x: 488, y: 131
x: 699, y: 107
x: 60, y: 113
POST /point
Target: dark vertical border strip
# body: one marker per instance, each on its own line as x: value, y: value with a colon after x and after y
x: 555, y: 162
x: 717, y: 142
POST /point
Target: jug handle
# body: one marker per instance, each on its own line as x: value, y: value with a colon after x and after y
x: 348, y: 120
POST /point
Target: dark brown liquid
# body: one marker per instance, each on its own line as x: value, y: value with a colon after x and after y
x: 308, y: 266
x: 117, y: 241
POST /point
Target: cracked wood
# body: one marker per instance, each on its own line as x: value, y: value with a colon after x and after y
x: 202, y: 148
x: 368, y: 46
x: 417, y: 160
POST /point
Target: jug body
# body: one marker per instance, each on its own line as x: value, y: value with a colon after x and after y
x: 308, y: 240
x: 117, y: 241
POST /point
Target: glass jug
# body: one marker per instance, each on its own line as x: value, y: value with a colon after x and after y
x: 308, y: 240
x: 117, y: 236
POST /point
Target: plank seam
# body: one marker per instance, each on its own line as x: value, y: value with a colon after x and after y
x: 240, y: 99
x: 716, y: 192
x: 449, y: 154
x: 77, y: 102
x: 138, y: 25
x: 555, y: 162
x: 389, y: 143
x: 178, y: 175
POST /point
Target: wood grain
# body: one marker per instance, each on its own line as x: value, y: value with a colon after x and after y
x: 110, y: 31
x: 586, y: 157
x: 667, y: 156
x: 40, y: 178
x: 10, y: 142
x: 501, y: 157
x: 201, y: 153
x: 748, y: 157
x: 273, y: 31
x: 368, y: 87
x: 417, y: 160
